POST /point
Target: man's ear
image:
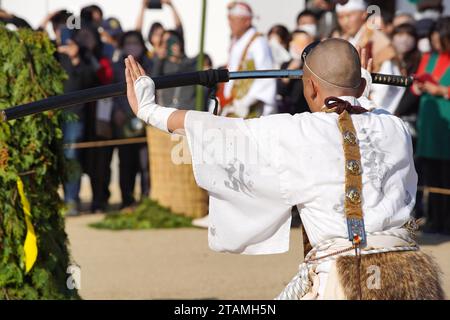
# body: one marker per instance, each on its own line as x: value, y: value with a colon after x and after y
x: 361, y: 88
x: 313, y: 94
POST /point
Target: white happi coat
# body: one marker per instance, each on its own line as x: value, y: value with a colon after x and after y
x: 262, y: 89
x: 255, y: 170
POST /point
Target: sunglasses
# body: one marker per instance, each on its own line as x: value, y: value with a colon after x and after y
x: 308, y: 49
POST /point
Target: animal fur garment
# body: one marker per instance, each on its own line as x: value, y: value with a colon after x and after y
x: 410, y: 275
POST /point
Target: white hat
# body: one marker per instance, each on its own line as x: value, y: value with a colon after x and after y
x: 240, y: 9
x: 352, y: 5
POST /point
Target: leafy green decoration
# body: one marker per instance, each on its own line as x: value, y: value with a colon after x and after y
x: 148, y: 215
x: 31, y: 148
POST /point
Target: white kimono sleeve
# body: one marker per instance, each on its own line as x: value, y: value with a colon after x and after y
x: 247, y: 211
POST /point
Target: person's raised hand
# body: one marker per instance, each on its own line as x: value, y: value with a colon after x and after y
x: 366, y: 63
x: 133, y: 70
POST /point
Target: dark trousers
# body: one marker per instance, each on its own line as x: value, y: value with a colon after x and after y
x: 436, y: 173
x: 133, y: 159
x: 99, y: 171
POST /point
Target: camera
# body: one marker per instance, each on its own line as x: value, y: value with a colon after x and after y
x: 154, y: 4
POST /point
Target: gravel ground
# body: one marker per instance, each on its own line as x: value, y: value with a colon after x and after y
x: 177, y: 264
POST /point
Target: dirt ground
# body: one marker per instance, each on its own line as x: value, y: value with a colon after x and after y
x: 177, y: 264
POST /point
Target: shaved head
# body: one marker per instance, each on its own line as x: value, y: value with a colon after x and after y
x: 335, y: 62
x: 332, y: 68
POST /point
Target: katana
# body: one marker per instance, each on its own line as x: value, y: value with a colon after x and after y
x: 208, y: 78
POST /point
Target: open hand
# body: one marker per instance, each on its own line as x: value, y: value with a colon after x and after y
x: 133, y: 70
x: 366, y: 63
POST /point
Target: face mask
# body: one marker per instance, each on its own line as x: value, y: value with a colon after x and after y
x: 135, y: 50
x: 170, y: 42
x: 424, y: 45
x: 403, y: 43
x: 279, y: 53
x: 310, y: 29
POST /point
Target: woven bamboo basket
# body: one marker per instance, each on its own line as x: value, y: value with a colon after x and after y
x: 173, y: 185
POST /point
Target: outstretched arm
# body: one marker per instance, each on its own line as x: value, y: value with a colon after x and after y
x: 141, y: 97
x: 140, y: 18
x: 175, y: 14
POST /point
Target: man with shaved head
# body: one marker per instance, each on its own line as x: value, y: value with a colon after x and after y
x: 349, y: 170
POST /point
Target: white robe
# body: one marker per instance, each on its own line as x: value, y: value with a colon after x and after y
x: 255, y: 170
x: 262, y: 89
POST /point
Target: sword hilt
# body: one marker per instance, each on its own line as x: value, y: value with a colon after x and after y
x: 399, y: 81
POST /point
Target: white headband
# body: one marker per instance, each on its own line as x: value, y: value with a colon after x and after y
x: 240, y: 10
x: 352, y: 5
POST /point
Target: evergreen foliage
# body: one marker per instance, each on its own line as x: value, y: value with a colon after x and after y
x: 31, y: 148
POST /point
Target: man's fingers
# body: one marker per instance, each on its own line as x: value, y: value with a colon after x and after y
x: 130, y: 70
x: 364, y: 58
x: 129, y: 65
x: 130, y: 81
x: 128, y: 77
x: 370, y: 65
x: 134, y: 67
x: 142, y: 71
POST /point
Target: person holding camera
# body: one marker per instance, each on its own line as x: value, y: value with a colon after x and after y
x: 157, y: 30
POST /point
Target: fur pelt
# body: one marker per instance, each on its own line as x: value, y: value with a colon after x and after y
x: 407, y: 275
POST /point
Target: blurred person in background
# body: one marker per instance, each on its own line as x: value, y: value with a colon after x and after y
x: 156, y: 31
x: 404, y: 39
x: 92, y: 15
x: 98, y: 118
x: 279, y: 39
x: 249, y: 51
x: 290, y: 98
x: 12, y: 21
x: 433, y: 85
x: 111, y: 32
x: 307, y: 21
x: 363, y: 32
x: 384, y: 21
x: 58, y: 21
x: 327, y: 20
x: 133, y: 158
x: 402, y: 18
x: 174, y: 60
x: 81, y: 75
x: 155, y: 35
x: 428, y: 12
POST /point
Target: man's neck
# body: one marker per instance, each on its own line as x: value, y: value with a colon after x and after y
x: 240, y: 35
x: 357, y: 35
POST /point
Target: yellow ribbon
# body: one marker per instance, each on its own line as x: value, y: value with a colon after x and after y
x: 30, y: 246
